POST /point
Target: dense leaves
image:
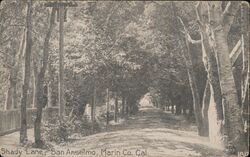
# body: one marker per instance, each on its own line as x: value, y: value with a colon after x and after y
x: 128, y: 47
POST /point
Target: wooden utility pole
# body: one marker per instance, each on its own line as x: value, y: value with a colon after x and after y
x: 61, y: 10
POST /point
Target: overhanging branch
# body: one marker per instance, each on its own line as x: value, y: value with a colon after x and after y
x: 226, y: 11
x: 187, y: 33
x: 229, y: 14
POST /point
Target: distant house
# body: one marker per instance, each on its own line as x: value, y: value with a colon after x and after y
x: 87, y: 112
x: 101, y: 108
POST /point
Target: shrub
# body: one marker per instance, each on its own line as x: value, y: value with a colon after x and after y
x: 86, y: 127
x: 58, y: 131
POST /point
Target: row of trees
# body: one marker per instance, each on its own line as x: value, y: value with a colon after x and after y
x: 219, y: 102
x: 224, y: 108
x: 208, y: 33
x: 183, y: 53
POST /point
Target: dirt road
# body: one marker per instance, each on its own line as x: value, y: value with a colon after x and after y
x: 150, y: 133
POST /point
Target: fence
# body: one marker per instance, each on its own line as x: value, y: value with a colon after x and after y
x: 10, y: 120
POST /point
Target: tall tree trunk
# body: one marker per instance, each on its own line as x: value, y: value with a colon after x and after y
x: 232, y: 113
x: 25, y: 87
x: 196, y: 100
x: 30, y: 90
x: 116, y: 107
x: 93, y: 104
x: 9, y: 94
x: 205, y: 106
x: 123, y: 106
x: 50, y: 84
x: 40, y: 83
x: 184, y: 110
x: 11, y: 97
x: 191, y: 76
x: 127, y: 106
x: 178, y: 109
x: 50, y: 94
x: 245, y: 69
x: 17, y: 64
x: 191, y: 111
x: 14, y: 96
x: 35, y: 85
x: 215, y: 109
x: 61, y: 64
x: 172, y: 108
x: 229, y: 91
x: 107, y: 106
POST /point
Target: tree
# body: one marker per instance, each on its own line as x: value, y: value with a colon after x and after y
x: 116, y: 107
x: 221, y: 22
x: 11, y: 97
x: 25, y: 87
x: 61, y: 61
x: 210, y: 63
x: 40, y: 82
x: 192, y: 80
x: 12, y: 44
x: 245, y: 68
x: 214, y: 30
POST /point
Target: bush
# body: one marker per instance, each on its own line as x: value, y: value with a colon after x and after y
x: 58, y: 131
x: 86, y: 127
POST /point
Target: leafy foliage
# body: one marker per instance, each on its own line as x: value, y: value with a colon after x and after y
x: 57, y: 131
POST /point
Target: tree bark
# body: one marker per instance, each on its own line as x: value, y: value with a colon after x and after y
x: 61, y: 64
x: 196, y: 99
x: 25, y: 87
x: 123, y: 106
x: 178, y: 109
x: 93, y: 104
x: 31, y: 89
x: 40, y: 83
x: 229, y: 91
x: 50, y: 84
x: 245, y: 69
x: 191, y: 111
x: 107, y: 106
x: 35, y: 85
x: 17, y: 64
x: 184, y: 111
x: 14, y: 96
x: 220, y: 27
x: 215, y: 103
x: 185, y: 52
x: 127, y: 106
x: 172, y: 108
x: 205, y: 106
x: 116, y: 107
x: 11, y: 96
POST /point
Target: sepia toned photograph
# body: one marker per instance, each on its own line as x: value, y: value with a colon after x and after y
x: 90, y: 78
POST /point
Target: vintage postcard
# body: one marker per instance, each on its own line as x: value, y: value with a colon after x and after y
x: 83, y: 78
